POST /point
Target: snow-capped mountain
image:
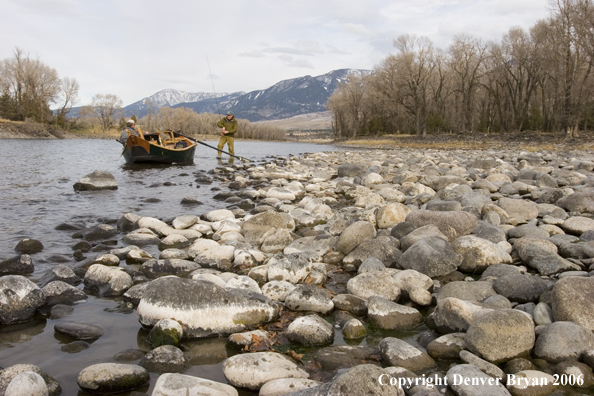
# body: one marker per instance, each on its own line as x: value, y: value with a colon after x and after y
x: 287, y: 98
x: 170, y: 98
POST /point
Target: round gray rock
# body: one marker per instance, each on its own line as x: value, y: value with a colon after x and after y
x: 253, y: 370
x: 501, y: 335
x: 397, y: 352
x: 563, y: 341
x: 97, y: 180
x: 79, y: 331
x: 112, y: 378
x: 19, y: 298
x: 310, y: 330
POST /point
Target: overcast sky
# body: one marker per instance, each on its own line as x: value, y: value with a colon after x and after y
x: 134, y: 48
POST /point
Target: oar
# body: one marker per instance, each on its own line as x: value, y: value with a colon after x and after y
x: 214, y: 148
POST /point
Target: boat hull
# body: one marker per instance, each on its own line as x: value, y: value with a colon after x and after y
x: 139, y: 150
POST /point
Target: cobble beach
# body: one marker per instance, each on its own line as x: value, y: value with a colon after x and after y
x: 378, y: 271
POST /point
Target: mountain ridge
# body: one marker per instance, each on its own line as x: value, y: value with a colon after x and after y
x: 285, y: 99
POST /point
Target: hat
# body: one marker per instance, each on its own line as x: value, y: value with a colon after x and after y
x: 130, y: 122
x: 229, y: 112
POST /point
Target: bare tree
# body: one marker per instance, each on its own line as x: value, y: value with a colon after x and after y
x: 466, y: 62
x: 108, y: 108
x: 69, y: 94
x: 31, y: 85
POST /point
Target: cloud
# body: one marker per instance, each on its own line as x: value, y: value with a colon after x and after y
x: 297, y: 63
x: 288, y: 50
x: 357, y: 29
x: 253, y: 54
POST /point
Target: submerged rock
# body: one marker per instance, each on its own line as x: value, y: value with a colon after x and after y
x: 97, y: 180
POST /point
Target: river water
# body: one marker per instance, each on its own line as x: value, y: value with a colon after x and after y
x: 36, y: 195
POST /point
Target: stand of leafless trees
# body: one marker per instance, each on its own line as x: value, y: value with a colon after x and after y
x: 540, y: 80
x: 203, y: 125
x: 28, y: 87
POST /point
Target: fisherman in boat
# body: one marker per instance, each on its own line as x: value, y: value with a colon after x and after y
x: 229, y: 128
x: 128, y: 131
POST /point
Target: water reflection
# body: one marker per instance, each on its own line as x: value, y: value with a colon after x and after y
x: 21, y: 332
x: 206, y: 351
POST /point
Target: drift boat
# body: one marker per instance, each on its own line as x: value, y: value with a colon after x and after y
x: 164, y: 147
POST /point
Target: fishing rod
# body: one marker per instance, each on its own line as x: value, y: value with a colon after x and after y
x: 213, y: 87
x: 214, y: 148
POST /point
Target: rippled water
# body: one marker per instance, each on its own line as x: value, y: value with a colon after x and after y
x: 36, y: 195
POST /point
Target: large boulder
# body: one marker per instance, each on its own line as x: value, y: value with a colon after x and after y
x: 154, y: 268
x: 10, y: 373
x: 364, y: 379
x: 173, y: 383
x: 521, y: 288
x: 309, y: 298
x: 296, y: 268
x: 478, y: 254
x: 377, y: 283
x: 284, y: 386
x: 58, y: 292
x: 353, y: 235
x: 318, y: 245
x: 381, y: 248
x: 17, y: 265
x: 561, y: 341
x: 451, y: 224
x: 468, y: 291
x: 203, y: 308
x: 386, y: 314
x: 97, y: 180
x: 520, y: 209
x: 501, y: 335
x: 310, y: 330
x: 107, y: 281
x: 29, y: 246
x: 164, y: 359
x: 396, y: 352
x: 573, y: 300
x: 431, y: 256
x: 28, y: 383
x: 19, y: 299
x: 532, y: 383
x: 469, y: 380
x: 390, y: 215
x: 430, y: 230
x: 453, y: 315
x: 252, y: 370
x: 581, y: 201
x: 258, y: 227
x: 112, y: 378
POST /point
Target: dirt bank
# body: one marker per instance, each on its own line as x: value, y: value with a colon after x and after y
x: 530, y: 141
x: 34, y: 130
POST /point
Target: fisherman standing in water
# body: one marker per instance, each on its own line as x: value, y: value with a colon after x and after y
x: 229, y: 128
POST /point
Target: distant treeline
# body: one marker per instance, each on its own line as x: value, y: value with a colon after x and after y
x: 189, y: 122
x: 541, y: 79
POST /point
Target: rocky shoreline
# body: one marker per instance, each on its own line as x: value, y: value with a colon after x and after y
x: 492, y: 250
